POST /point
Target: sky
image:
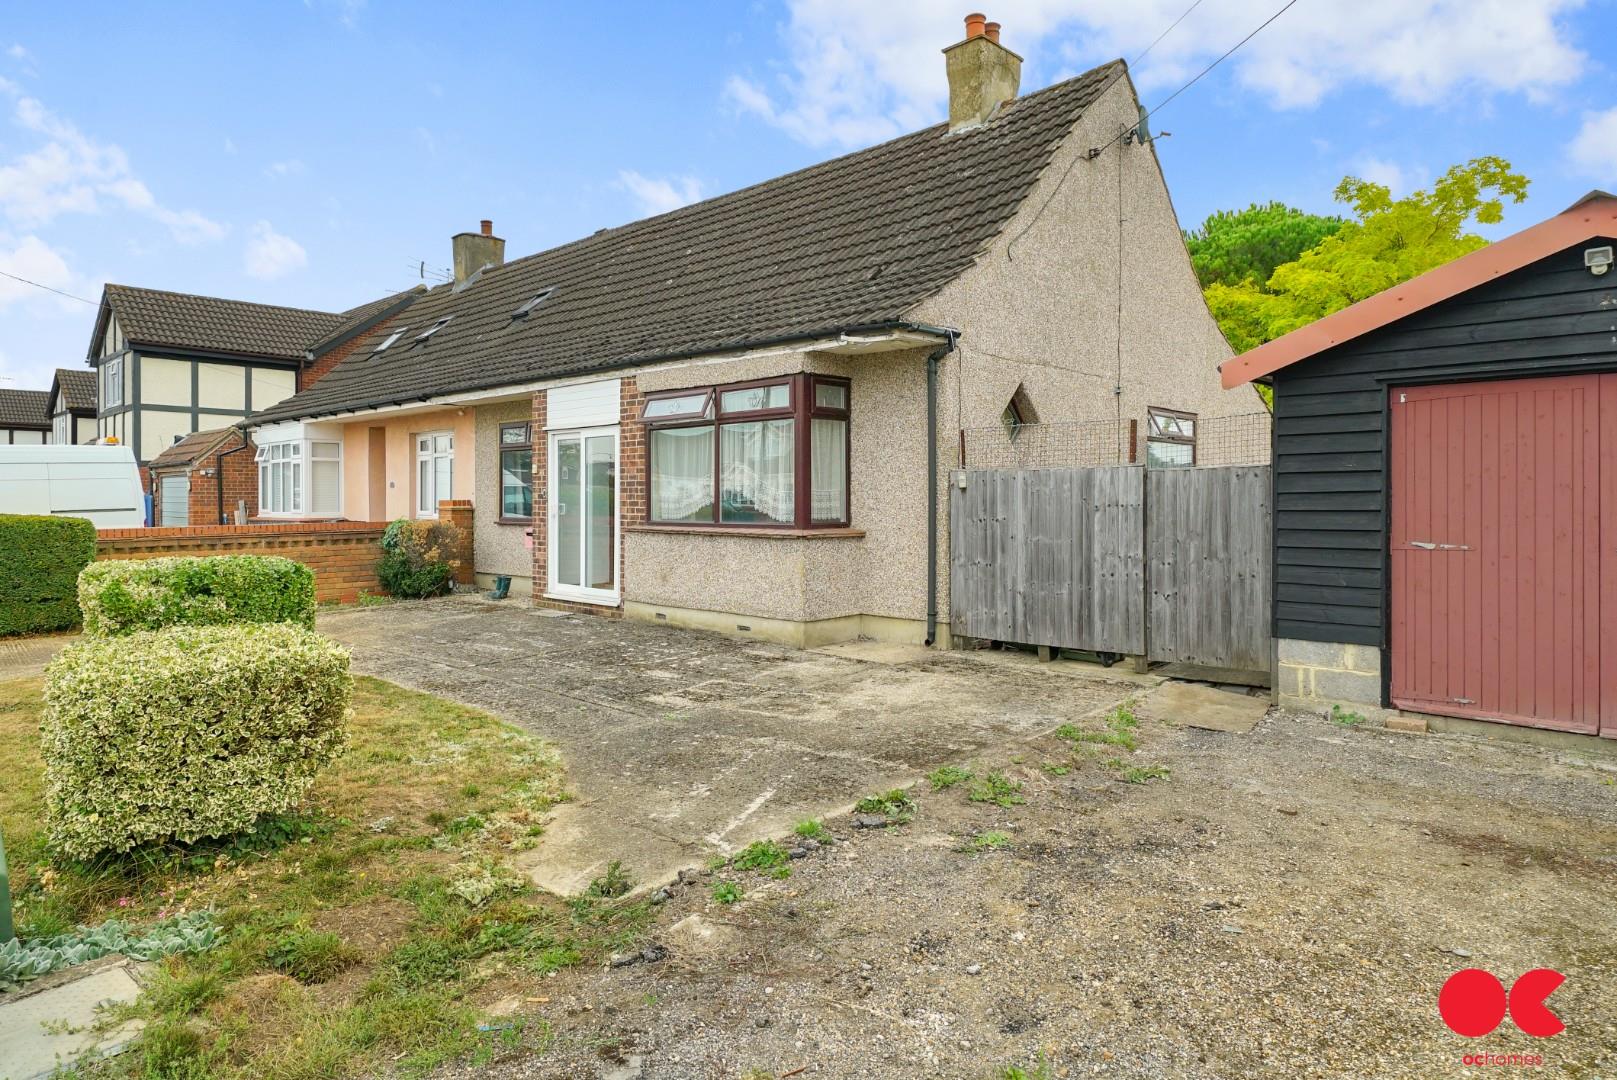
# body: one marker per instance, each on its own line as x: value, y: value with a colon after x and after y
x: 322, y: 153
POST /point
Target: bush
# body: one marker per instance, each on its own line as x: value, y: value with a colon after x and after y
x: 121, y: 597
x: 186, y: 733
x: 418, y: 557
x: 40, y: 560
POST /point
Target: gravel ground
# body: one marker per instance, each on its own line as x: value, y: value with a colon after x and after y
x: 1287, y: 904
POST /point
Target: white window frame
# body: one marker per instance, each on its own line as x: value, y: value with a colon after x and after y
x: 274, y: 458
x: 112, y: 383
x: 426, y: 451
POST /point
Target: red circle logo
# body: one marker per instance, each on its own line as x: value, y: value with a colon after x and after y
x: 1472, y: 1002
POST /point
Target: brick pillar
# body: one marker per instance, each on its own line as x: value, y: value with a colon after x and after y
x: 633, y: 477
x: 541, y: 497
x: 458, y: 512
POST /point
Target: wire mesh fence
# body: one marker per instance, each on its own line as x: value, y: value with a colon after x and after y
x: 1079, y: 444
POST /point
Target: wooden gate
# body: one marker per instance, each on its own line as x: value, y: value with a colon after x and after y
x: 1061, y: 558
x: 1504, y: 503
x: 1208, y: 567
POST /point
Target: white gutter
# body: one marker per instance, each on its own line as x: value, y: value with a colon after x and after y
x: 842, y: 343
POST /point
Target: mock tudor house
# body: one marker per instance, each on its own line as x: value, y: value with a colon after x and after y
x: 24, y: 417
x: 73, y: 407
x: 741, y: 415
x: 169, y: 364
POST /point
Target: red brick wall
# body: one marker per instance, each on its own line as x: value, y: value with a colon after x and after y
x: 458, y: 512
x: 323, y: 363
x: 343, y: 554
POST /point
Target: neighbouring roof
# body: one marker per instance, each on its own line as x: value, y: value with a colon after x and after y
x: 853, y: 243
x: 197, y: 445
x: 185, y: 321
x: 25, y: 409
x: 77, y: 387
x: 1594, y: 215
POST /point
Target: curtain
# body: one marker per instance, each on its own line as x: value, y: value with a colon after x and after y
x: 829, y: 468
x: 682, y: 474
x: 755, y: 470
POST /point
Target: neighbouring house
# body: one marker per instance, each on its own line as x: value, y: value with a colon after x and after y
x: 207, y: 478
x: 73, y: 407
x: 168, y: 364
x: 24, y: 417
x: 1445, y: 458
x: 742, y: 414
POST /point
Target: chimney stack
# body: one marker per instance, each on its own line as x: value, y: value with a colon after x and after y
x: 983, y: 74
x: 473, y: 251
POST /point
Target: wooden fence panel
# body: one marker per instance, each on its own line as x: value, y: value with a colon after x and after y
x: 1050, y: 557
x: 1208, y: 566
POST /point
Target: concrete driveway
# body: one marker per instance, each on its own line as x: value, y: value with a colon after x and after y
x: 681, y: 744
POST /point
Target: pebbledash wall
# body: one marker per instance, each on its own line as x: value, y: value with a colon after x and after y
x: 343, y: 554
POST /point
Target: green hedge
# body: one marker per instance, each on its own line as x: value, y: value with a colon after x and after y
x: 40, y: 560
x: 123, y: 596
x: 186, y: 733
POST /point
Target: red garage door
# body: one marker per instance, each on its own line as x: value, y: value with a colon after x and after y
x: 1504, y: 551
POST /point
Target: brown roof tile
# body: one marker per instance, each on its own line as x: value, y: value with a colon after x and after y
x: 25, y: 409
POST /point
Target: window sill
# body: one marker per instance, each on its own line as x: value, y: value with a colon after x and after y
x: 840, y: 533
x: 525, y: 522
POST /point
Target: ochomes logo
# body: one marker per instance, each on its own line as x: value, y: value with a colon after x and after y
x: 1473, y: 1003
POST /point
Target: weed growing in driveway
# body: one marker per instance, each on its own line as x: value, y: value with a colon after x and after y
x: 1139, y: 774
x: 765, y: 855
x: 895, y: 804
x: 615, y: 882
x: 813, y: 830
x: 1039, y: 1071
x: 1121, y: 730
x: 948, y: 776
x: 1344, y: 718
x: 726, y: 892
x: 1055, y: 768
x: 992, y: 840
x: 998, y: 789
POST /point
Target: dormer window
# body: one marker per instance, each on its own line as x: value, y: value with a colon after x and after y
x: 434, y: 328
x: 528, y: 306
x: 391, y: 339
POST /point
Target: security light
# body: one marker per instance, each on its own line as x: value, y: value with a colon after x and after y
x: 1598, y: 260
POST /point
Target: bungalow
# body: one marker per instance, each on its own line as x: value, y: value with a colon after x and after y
x: 1445, y: 458
x: 73, y: 407
x: 24, y: 417
x: 734, y: 415
x: 168, y: 364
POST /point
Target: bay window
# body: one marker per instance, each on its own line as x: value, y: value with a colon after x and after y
x: 767, y: 454
x: 302, y: 476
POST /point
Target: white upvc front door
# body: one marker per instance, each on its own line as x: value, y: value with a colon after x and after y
x: 582, y: 516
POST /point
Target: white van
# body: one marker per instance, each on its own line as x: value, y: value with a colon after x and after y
x: 101, y: 483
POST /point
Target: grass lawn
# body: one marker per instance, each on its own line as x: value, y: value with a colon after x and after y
x: 370, y: 932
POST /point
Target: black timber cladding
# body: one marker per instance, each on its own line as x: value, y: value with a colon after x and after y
x: 1331, y: 452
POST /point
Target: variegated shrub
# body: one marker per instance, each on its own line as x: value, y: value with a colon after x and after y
x: 188, y: 732
x: 122, y: 597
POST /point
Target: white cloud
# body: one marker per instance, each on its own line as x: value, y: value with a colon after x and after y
x: 658, y: 196
x: 271, y: 255
x: 289, y: 167
x: 1396, y: 178
x: 74, y: 173
x: 32, y: 258
x: 858, y: 71
x: 1594, y: 148
x: 230, y: 145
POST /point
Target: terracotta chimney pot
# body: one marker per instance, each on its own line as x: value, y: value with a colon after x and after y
x: 488, y: 227
x: 991, y: 31
x: 975, y: 24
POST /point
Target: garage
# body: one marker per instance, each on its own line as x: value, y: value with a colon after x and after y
x: 1445, y: 503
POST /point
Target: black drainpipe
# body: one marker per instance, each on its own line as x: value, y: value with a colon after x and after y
x: 932, y: 361
x: 219, y: 474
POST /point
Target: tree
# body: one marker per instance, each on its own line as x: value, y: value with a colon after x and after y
x: 1388, y: 242
x: 1237, y: 246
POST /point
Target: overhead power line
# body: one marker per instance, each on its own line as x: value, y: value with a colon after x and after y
x: 1166, y: 32
x: 47, y: 288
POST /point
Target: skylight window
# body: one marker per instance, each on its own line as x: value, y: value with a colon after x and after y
x: 434, y: 328
x: 391, y: 338
x: 543, y: 295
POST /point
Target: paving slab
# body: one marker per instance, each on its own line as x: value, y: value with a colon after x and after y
x: 41, y: 1031
x: 682, y: 744
x: 1199, y: 706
